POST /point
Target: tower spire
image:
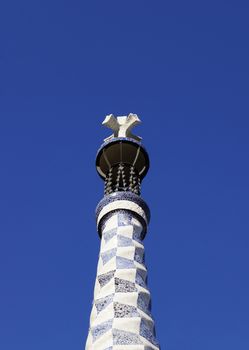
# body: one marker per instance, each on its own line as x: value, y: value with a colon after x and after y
x: 121, y: 313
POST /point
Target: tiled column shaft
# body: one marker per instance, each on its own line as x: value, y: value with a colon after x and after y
x: 121, y: 315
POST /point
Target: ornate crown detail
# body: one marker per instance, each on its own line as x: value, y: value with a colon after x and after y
x: 122, y: 126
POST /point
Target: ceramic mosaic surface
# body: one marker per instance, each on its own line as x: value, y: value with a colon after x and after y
x: 121, y: 313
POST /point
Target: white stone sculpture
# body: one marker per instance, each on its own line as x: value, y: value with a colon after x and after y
x: 122, y: 126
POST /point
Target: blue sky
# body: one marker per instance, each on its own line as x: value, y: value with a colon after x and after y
x: 182, y: 66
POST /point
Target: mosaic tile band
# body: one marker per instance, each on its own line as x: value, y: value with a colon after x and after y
x: 121, y: 313
x: 123, y: 200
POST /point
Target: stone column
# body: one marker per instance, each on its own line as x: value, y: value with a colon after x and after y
x: 121, y: 313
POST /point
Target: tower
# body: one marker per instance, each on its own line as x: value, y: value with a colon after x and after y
x: 121, y: 313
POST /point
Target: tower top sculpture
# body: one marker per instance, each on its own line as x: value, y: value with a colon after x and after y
x: 122, y: 126
x: 122, y: 161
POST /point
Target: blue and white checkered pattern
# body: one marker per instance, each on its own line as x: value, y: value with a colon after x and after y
x: 121, y: 314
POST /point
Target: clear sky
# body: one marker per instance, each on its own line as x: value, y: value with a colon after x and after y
x: 182, y: 66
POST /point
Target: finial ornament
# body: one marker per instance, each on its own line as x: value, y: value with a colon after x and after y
x: 122, y: 126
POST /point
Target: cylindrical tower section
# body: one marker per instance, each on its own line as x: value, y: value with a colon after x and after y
x: 121, y: 313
